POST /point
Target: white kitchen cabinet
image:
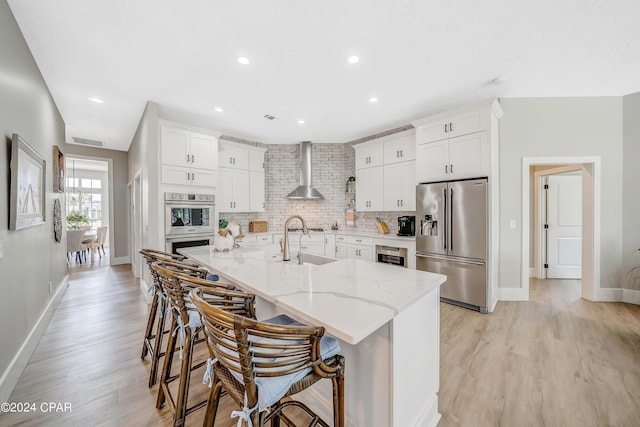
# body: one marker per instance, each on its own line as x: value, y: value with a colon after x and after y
x: 369, y: 155
x: 241, y: 179
x: 370, y: 183
x: 458, y: 144
x: 456, y: 158
x: 330, y: 245
x: 188, y: 157
x: 233, y: 156
x: 402, y: 149
x: 341, y: 251
x: 233, y: 191
x: 364, y: 253
x: 450, y: 125
x: 256, y: 187
x: 400, y: 186
x: 375, y: 190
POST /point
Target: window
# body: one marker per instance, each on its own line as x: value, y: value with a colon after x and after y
x: 84, y: 193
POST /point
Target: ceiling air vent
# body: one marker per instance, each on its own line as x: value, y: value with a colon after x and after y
x: 90, y: 142
x: 269, y: 117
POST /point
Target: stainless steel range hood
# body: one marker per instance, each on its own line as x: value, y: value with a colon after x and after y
x: 305, y: 191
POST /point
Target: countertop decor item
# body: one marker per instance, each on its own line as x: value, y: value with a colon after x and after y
x: 258, y: 226
x: 381, y: 226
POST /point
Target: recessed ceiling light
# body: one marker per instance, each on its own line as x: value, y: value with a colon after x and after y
x: 300, y: 122
x: 96, y: 100
x: 373, y: 99
x: 243, y: 60
x: 218, y: 109
x: 353, y: 59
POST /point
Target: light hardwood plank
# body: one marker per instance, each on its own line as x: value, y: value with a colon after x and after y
x: 556, y: 360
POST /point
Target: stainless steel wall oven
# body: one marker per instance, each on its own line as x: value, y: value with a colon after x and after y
x: 189, y: 220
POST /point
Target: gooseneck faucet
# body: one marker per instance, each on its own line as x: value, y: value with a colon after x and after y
x: 285, y: 252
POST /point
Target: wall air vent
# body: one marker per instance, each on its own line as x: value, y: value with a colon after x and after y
x: 89, y: 142
x: 269, y: 117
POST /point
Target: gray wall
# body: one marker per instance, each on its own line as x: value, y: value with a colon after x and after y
x: 560, y: 127
x: 631, y: 200
x: 32, y: 258
x: 119, y: 222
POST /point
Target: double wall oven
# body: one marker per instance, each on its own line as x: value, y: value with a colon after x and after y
x: 189, y: 220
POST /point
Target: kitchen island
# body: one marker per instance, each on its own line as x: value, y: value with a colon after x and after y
x: 387, y: 319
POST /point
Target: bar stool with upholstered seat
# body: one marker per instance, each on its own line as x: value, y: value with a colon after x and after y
x: 261, y: 363
x: 155, y: 331
x: 186, y: 324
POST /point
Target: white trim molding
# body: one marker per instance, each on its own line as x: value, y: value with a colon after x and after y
x: 121, y: 260
x: 13, y: 372
x: 630, y: 296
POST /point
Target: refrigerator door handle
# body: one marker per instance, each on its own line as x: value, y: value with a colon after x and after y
x: 444, y: 258
x: 451, y: 218
x: 444, y: 240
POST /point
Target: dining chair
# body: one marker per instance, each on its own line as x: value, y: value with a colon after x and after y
x: 101, y: 237
x: 186, y: 326
x: 259, y: 363
x: 75, y: 244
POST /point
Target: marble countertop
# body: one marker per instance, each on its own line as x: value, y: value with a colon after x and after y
x: 350, y: 298
x: 370, y: 234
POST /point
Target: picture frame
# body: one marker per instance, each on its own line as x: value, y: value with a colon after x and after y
x: 28, y: 181
x: 58, y: 169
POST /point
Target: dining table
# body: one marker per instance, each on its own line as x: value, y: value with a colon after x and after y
x: 90, y: 238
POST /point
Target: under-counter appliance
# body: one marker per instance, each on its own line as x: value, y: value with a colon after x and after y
x: 407, y: 225
x: 391, y: 255
x: 188, y: 220
x: 452, y: 238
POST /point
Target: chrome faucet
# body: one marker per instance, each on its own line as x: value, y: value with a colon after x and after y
x: 285, y: 252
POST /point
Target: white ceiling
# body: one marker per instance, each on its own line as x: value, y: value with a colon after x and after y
x: 417, y: 57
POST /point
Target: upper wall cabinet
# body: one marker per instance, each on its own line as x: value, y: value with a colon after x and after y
x: 242, y: 183
x: 458, y: 144
x: 385, y: 173
x: 451, y: 124
x: 188, y: 157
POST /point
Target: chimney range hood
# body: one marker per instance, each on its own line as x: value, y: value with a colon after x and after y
x: 305, y: 191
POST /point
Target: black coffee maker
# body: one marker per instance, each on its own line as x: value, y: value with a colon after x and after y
x: 406, y: 225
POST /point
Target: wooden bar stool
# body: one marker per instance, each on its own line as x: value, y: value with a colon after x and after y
x: 186, y: 324
x: 157, y: 313
x: 261, y: 363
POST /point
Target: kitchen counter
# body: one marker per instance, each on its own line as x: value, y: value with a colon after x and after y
x: 350, y: 298
x: 387, y: 319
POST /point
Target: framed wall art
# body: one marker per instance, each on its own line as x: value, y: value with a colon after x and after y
x: 27, y: 198
x: 58, y: 170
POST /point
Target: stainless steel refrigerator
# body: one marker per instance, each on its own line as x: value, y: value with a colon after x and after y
x: 451, y: 238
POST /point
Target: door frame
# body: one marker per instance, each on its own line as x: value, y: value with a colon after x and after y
x: 539, y: 236
x: 109, y: 162
x: 591, y: 196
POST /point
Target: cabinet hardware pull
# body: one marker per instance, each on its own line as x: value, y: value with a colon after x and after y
x: 397, y: 202
x: 398, y: 153
x: 187, y: 176
x: 445, y: 128
x: 230, y: 161
x: 193, y: 176
x: 401, y: 153
x: 401, y: 202
x: 231, y: 204
x: 451, y: 168
x: 450, y: 127
x: 446, y: 169
x: 193, y: 159
x: 187, y: 158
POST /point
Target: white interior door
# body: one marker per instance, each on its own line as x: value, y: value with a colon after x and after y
x: 564, y: 217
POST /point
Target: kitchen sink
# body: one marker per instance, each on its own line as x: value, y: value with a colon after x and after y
x: 313, y: 259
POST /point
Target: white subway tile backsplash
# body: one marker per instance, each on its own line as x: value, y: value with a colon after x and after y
x: 333, y: 164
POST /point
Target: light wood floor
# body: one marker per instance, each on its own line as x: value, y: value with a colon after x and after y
x: 556, y: 360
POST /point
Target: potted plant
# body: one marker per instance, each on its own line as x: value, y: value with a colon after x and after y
x: 75, y: 219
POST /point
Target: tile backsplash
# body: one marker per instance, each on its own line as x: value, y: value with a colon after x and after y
x: 332, y: 166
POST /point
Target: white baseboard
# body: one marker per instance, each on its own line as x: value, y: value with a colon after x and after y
x: 121, y: 260
x: 429, y: 417
x: 631, y: 296
x: 513, y: 294
x: 13, y: 372
x: 609, y: 295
